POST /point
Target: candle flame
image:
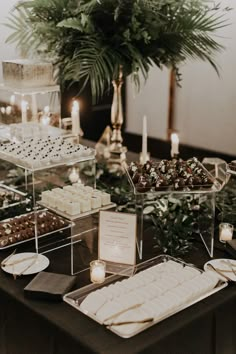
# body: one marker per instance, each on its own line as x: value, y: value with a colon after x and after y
x: 75, y: 106
x: 174, y: 138
x: 46, y: 110
x: 24, y: 105
x: 12, y: 99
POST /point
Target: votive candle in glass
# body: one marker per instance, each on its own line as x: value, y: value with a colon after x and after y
x: 226, y: 231
x: 97, y: 271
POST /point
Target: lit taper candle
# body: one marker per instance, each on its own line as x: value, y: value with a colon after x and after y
x: 144, y: 141
x: 174, y: 145
x: 75, y: 116
x: 24, y: 105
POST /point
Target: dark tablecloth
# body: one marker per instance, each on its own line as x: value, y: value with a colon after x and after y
x: 43, y: 327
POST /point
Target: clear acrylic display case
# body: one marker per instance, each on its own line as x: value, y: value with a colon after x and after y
x: 188, y: 207
x: 36, y: 219
x: 226, y: 200
x: 29, y: 112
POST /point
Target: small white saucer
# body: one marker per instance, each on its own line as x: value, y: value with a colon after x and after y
x: 221, y: 265
x: 31, y: 263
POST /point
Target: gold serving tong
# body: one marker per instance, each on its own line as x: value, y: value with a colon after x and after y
x: 230, y: 265
x: 4, y: 262
x: 27, y: 267
x: 220, y: 272
x: 145, y: 320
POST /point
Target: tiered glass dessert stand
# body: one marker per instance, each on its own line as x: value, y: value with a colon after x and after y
x: 40, y: 177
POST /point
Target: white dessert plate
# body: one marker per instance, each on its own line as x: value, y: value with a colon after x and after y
x: 25, y: 263
x: 224, y: 266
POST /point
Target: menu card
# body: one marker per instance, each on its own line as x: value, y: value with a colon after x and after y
x: 117, y: 237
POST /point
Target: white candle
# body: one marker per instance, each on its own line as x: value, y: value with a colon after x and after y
x: 46, y: 110
x: 34, y: 108
x: 75, y: 117
x: 74, y: 176
x: 8, y: 110
x: 12, y: 100
x: 226, y: 232
x: 45, y: 120
x: 144, y: 141
x: 24, y: 105
x: 174, y: 144
x: 97, y: 271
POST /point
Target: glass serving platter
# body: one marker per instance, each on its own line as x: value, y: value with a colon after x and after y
x: 79, y: 215
x: 7, y: 224
x: 213, y: 186
x: 130, y: 327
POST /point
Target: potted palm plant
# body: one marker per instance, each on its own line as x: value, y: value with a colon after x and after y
x: 104, y: 41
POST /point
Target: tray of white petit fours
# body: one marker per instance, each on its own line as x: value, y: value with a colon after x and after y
x: 158, y: 288
x: 37, y: 154
x: 76, y: 201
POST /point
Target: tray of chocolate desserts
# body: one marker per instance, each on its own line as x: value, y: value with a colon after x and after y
x: 76, y: 201
x: 158, y: 288
x: 37, y: 153
x: 21, y: 228
x: 10, y: 197
x: 173, y: 175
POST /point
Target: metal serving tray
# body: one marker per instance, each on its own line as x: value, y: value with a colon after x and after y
x: 67, y: 226
x: 76, y: 297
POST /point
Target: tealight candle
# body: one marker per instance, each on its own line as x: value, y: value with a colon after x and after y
x: 97, y: 271
x: 74, y: 176
x: 12, y: 100
x: 8, y: 110
x: 174, y: 144
x: 226, y: 232
x: 45, y: 120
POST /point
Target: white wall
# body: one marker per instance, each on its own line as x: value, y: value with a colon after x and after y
x: 6, y: 51
x: 152, y: 100
x: 205, y: 111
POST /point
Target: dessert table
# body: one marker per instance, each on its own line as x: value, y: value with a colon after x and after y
x: 30, y: 326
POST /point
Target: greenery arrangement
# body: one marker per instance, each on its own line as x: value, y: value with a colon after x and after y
x: 91, y: 40
x: 226, y: 202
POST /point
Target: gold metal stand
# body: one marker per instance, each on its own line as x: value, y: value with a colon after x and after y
x: 117, y: 150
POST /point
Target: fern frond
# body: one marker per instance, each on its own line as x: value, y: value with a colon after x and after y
x: 91, y: 38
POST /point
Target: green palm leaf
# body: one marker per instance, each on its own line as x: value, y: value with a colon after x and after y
x: 91, y: 39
